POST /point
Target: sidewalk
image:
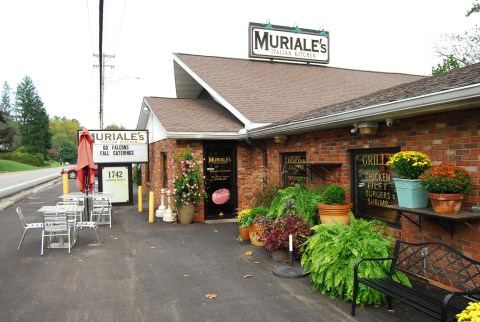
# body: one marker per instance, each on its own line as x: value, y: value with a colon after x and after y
x: 155, y: 272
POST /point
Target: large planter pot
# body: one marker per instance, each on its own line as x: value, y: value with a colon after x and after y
x: 255, y: 233
x: 244, y: 233
x: 330, y: 214
x: 446, y: 203
x: 185, y: 214
x: 411, y: 193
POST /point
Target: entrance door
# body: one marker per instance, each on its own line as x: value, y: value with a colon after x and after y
x: 220, y: 169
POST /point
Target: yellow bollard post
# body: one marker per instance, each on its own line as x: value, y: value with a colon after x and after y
x: 140, y: 199
x: 65, y: 184
x: 150, y: 208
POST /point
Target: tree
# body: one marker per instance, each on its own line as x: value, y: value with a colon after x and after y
x: 114, y: 127
x: 459, y: 50
x: 34, y: 123
x: 475, y: 8
x: 7, y: 129
x: 449, y: 63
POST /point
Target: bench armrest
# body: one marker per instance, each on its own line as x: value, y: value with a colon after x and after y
x: 357, y: 264
x: 447, y: 299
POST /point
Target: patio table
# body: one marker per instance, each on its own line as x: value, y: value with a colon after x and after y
x: 67, y: 209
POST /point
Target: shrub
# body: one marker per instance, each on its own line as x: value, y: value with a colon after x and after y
x: 331, y: 253
x: 334, y: 195
x: 304, y: 200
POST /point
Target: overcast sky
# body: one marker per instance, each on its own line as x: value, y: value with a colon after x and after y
x: 53, y: 42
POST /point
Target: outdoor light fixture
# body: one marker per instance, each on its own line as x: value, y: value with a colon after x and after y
x: 296, y: 29
x: 368, y: 127
x: 280, y: 138
x: 268, y: 26
x: 322, y: 32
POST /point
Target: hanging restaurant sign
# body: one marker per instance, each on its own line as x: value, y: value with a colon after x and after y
x: 288, y: 43
x: 120, y: 146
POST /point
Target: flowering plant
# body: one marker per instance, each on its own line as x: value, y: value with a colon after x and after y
x: 409, y: 164
x: 446, y: 179
x: 187, y: 183
x: 471, y: 313
x: 245, y: 218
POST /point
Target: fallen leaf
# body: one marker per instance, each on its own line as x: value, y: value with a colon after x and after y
x: 210, y: 295
x: 392, y: 311
x: 152, y: 247
x: 255, y: 262
x: 249, y: 253
x: 247, y: 275
x: 215, y: 230
x: 115, y: 237
x: 186, y: 275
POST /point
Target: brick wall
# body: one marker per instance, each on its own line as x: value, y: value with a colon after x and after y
x: 452, y: 137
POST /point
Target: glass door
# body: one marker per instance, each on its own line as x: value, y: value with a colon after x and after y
x: 220, y: 170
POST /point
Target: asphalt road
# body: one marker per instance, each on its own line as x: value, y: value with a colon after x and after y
x: 15, y: 182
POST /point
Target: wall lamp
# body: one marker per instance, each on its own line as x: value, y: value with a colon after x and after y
x: 280, y: 138
x: 365, y: 128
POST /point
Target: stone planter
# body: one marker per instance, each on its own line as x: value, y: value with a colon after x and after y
x: 185, y: 214
x: 446, y: 203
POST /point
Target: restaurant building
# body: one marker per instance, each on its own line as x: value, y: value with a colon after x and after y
x: 320, y: 124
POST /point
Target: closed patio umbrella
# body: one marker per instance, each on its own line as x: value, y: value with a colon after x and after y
x: 85, y: 165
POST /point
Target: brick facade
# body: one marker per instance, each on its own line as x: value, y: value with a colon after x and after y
x: 450, y: 137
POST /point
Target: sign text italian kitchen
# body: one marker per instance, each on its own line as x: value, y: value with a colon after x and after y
x: 286, y: 43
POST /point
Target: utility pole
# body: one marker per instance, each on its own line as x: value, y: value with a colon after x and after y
x: 102, y: 82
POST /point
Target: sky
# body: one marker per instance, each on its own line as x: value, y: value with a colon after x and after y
x: 54, y: 42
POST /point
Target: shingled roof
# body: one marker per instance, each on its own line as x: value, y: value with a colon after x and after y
x: 193, y: 115
x: 266, y: 92
x: 458, y: 78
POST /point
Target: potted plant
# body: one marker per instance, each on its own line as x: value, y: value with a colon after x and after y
x: 186, y: 185
x: 334, y: 207
x: 245, y: 220
x: 277, y: 231
x: 262, y: 220
x: 446, y: 186
x: 409, y: 165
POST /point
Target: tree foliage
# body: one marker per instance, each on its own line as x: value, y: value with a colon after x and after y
x: 33, y: 118
x: 459, y: 50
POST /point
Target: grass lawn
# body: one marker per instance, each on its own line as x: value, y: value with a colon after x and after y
x: 12, y: 166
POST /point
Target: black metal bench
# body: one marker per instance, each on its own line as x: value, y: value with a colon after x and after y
x: 443, y: 280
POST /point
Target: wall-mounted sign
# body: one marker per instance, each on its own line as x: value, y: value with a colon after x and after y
x: 119, y: 146
x: 286, y: 43
x: 117, y: 180
x: 294, y: 169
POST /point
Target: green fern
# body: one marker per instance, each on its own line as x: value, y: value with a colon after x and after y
x: 331, y: 253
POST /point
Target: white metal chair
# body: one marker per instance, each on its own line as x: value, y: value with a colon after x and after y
x: 92, y: 225
x: 57, y: 225
x: 26, y: 226
x: 105, y: 206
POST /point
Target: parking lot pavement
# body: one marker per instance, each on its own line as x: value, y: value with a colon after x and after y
x: 155, y: 272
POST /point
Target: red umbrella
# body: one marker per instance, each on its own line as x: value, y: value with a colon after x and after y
x: 85, y: 165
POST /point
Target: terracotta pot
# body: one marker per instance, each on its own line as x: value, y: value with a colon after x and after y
x: 446, y: 203
x: 255, y: 233
x: 330, y: 214
x: 244, y: 233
